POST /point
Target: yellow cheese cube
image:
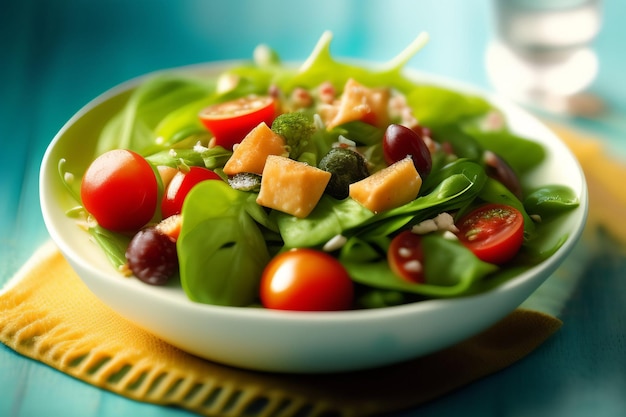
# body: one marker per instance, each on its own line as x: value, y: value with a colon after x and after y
x: 361, y: 103
x: 388, y: 188
x: 251, y: 153
x: 290, y: 186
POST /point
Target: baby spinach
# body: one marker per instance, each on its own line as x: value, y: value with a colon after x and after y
x: 520, y: 153
x: 550, y: 200
x: 133, y: 127
x: 436, y: 106
x: 321, y: 67
x: 495, y: 192
x: 451, y: 269
x: 461, y: 184
x: 330, y: 217
x: 221, y: 248
x: 456, y: 190
x: 363, y: 134
x: 463, y: 144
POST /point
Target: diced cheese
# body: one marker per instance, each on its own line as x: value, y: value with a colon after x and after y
x: 361, y: 103
x: 388, y: 188
x: 290, y: 186
x: 251, y: 153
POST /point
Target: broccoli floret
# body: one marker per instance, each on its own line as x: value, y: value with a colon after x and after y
x: 245, y: 181
x: 297, y: 128
x: 346, y: 167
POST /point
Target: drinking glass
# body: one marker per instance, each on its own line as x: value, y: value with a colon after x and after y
x: 542, y: 53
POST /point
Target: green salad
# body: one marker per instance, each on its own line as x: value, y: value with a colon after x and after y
x: 324, y: 186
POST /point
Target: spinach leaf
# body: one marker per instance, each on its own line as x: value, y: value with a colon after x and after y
x: 329, y: 218
x: 183, y: 122
x: 438, y: 106
x: 463, y: 144
x: 551, y: 200
x: 364, y: 134
x: 133, y: 127
x: 495, y: 192
x: 221, y: 250
x: 321, y: 67
x: 465, y: 167
x: 450, y: 269
x: 457, y: 185
x: 520, y: 153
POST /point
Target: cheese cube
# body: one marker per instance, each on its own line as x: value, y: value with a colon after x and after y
x: 251, y: 153
x: 290, y: 186
x: 388, y: 188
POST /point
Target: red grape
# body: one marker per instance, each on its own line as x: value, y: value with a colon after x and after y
x: 400, y: 141
x: 500, y: 170
x: 152, y: 256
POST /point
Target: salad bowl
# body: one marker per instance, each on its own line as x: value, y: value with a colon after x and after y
x: 296, y: 342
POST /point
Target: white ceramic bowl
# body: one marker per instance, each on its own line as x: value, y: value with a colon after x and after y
x: 280, y: 341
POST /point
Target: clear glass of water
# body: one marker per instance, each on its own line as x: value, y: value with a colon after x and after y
x: 542, y: 53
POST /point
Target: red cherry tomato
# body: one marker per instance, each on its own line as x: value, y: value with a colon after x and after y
x: 400, y: 141
x: 179, y: 187
x: 494, y: 232
x: 231, y: 121
x: 306, y: 280
x: 405, y: 256
x: 120, y: 189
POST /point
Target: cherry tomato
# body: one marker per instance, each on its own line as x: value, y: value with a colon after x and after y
x: 400, y: 141
x: 405, y: 256
x: 494, y: 232
x: 179, y: 187
x: 231, y: 121
x: 120, y: 190
x: 306, y: 280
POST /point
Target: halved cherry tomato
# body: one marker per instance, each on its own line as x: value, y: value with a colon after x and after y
x: 405, y: 256
x: 231, y: 121
x: 306, y: 280
x: 120, y: 190
x: 493, y: 232
x: 179, y: 187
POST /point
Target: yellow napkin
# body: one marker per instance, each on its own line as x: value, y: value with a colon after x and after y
x: 605, y: 176
x: 48, y: 314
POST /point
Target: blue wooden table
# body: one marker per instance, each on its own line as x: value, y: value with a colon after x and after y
x: 57, y: 55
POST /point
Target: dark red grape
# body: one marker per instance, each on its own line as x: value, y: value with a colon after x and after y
x: 400, y: 141
x: 152, y: 256
x: 499, y: 169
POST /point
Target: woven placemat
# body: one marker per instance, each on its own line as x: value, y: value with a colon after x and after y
x: 48, y: 314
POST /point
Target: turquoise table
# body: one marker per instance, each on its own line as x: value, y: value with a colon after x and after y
x: 57, y: 55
